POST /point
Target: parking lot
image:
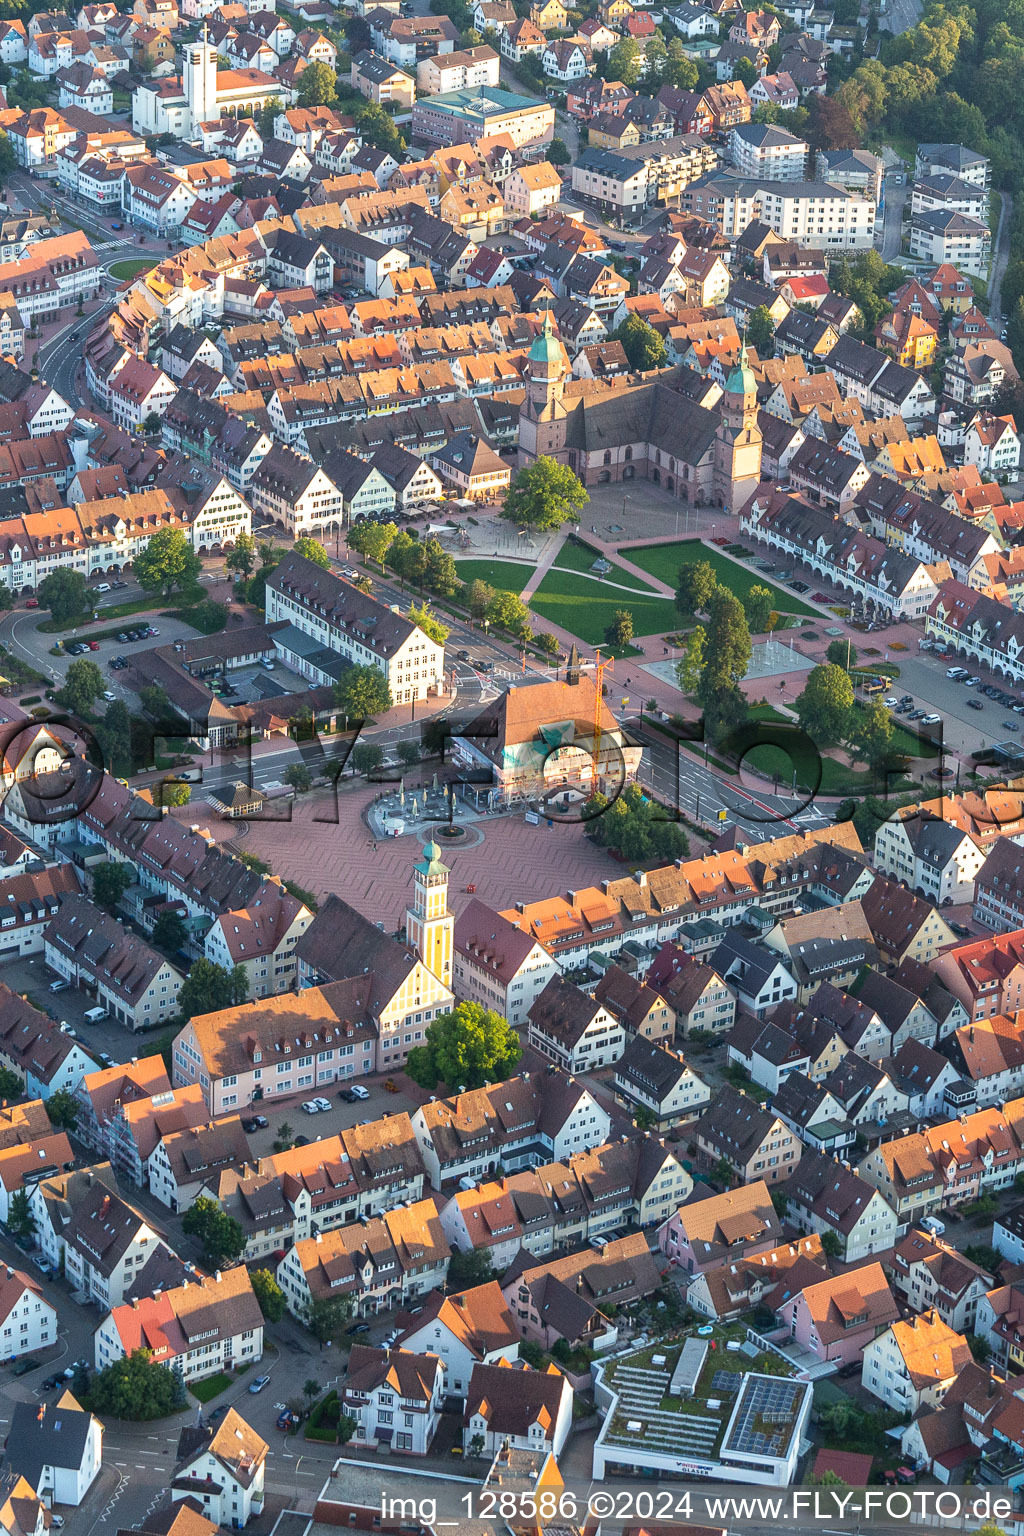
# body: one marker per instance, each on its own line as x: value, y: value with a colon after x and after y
x: 340, y: 1117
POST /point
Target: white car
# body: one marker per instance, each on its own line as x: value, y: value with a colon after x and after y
x: 110, y: 697
x: 310, y: 1107
x: 322, y: 1104
x: 931, y: 720
x: 357, y: 1091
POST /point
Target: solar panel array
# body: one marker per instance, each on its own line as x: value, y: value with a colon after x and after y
x: 766, y: 1404
x: 726, y: 1383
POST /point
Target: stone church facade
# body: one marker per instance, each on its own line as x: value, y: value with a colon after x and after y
x: 648, y: 431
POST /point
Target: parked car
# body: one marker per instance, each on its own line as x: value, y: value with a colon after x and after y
x: 310, y: 1107
x: 255, y: 1123
x: 322, y: 1104
x: 27, y: 1364
x: 358, y: 1328
x: 359, y: 1092
x: 287, y: 1420
x: 259, y: 1384
x: 975, y: 704
x: 94, y: 645
x: 32, y: 602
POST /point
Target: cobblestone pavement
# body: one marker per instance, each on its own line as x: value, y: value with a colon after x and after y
x: 515, y: 862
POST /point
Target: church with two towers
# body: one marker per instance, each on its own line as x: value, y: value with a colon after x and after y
x: 707, y: 454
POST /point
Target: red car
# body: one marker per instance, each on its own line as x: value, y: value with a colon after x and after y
x: 32, y: 602
x: 94, y: 645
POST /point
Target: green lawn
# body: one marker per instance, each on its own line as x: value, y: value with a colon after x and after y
x: 574, y: 557
x: 664, y: 560
x: 577, y: 604
x: 506, y: 575
x: 210, y: 1387
x: 131, y: 267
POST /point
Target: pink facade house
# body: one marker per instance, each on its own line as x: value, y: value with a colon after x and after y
x: 738, y: 1224
x: 836, y: 1318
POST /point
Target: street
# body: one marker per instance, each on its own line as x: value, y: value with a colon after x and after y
x: 678, y: 778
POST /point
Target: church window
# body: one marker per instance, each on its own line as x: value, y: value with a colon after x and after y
x: 628, y: 454
x: 607, y: 456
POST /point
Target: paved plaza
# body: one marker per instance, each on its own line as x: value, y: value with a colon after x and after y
x: 511, y: 861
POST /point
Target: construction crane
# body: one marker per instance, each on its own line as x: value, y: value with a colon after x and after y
x: 600, y: 668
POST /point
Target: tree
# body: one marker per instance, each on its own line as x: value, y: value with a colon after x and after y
x: 761, y: 331
x: 644, y: 347
x: 477, y: 597
x: 442, y: 573
x: 363, y: 692
x: 634, y: 826
x: 620, y: 630
x: 312, y: 549
x: 269, y: 1295
x: 557, y: 152
x: 430, y: 624
x: 823, y: 708
x: 544, y: 494
x: 114, y: 734
x: 469, y: 1269
x: 745, y: 71
x: 829, y: 124
x: 869, y: 734
x: 758, y: 605
x: 20, y: 1220
x: 83, y: 685
x: 171, y: 792
x: 219, y: 1234
x: 11, y: 1085
x: 841, y: 654
x: 109, y: 883
x: 367, y: 756
x: 372, y: 540
x: 696, y: 585
x: 327, y: 1318
x: 156, y: 703
x: 299, y: 777
x: 209, y: 987
x: 347, y: 1427
x: 831, y: 1243
x: 407, y: 558
x: 167, y: 562
x: 7, y: 157
x: 318, y: 86
x: 374, y: 126
x: 62, y: 1108
x: 6, y: 597
x: 135, y: 1388
x: 722, y: 1172
x: 624, y: 62
x: 242, y: 558
x: 409, y: 752
x: 678, y: 69
x: 725, y: 710
x: 469, y: 1046
x: 310, y: 1388
x: 691, y: 664
x: 728, y: 650
x: 508, y: 612
x: 169, y: 932
x: 65, y: 594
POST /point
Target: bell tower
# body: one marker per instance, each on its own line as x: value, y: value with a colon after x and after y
x: 199, y: 81
x: 542, y: 420
x: 429, y: 926
x: 738, y: 441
